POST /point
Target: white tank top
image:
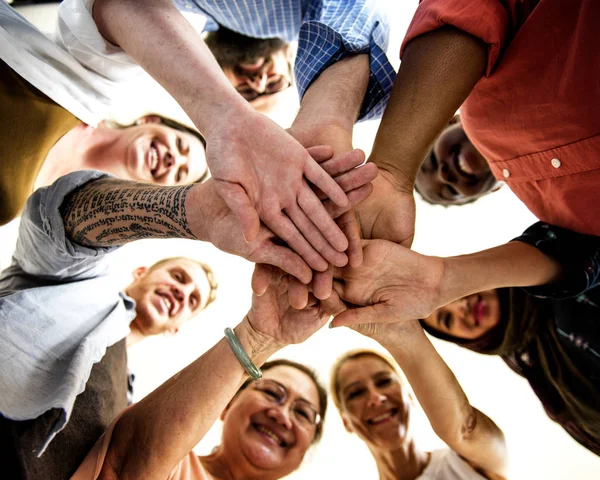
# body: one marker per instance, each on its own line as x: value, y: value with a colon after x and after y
x: 446, y: 464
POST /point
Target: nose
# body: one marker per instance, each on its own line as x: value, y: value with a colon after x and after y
x: 445, y: 173
x: 258, y: 82
x: 281, y: 414
x: 376, y: 398
x: 173, y: 158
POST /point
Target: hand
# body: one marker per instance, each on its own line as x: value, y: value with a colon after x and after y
x: 393, y: 284
x: 259, y: 171
x: 389, y: 212
x: 276, y: 323
x: 222, y: 228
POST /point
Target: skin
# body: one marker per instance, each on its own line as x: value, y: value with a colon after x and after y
x: 167, y: 296
x: 468, y: 317
x: 128, y: 153
x: 454, y: 172
x: 247, y: 173
x: 138, y: 447
x: 368, y: 389
x: 250, y: 413
x: 264, y: 76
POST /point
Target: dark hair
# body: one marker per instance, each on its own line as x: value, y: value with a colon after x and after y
x: 282, y: 362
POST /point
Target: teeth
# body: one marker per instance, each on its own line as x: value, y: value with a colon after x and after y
x: 168, y: 303
x: 153, y: 157
x: 270, y: 434
x: 464, y: 166
x: 380, y: 418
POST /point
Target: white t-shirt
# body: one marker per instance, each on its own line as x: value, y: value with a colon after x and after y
x: 79, y: 70
x: 446, y: 464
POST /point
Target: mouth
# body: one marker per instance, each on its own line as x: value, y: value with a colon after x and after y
x: 270, y: 435
x: 153, y: 159
x: 479, y: 310
x: 462, y: 165
x: 168, y: 303
x: 383, y: 418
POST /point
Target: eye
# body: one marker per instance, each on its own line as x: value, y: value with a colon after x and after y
x: 194, y: 302
x: 304, y: 413
x: 181, y: 174
x: 447, y: 319
x: 178, y: 276
x: 383, y: 382
x: 275, y: 84
x: 433, y: 160
x: 355, y: 393
x: 272, y: 394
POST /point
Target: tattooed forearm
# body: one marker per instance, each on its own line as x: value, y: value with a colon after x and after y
x: 109, y: 212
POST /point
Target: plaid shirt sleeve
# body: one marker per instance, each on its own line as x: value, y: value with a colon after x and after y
x: 327, y: 31
x: 578, y: 254
x: 333, y: 29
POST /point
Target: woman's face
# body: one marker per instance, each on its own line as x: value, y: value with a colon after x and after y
x: 154, y: 153
x: 270, y: 424
x: 469, y: 317
x: 454, y: 172
x: 374, y: 403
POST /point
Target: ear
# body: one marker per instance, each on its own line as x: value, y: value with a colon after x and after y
x: 455, y: 119
x: 225, y: 411
x: 148, y: 119
x: 289, y: 51
x: 347, y: 424
x: 139, y: 272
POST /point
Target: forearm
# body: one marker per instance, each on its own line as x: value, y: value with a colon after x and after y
x: 163, y: 42
x: 154, y: 435
x: 334, y: 98
x: 110, y: 212
x: 461, y: 426
x: 437, y: 73
x: 514, y: 264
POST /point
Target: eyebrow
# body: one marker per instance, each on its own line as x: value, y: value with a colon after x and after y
x: 287, y: 391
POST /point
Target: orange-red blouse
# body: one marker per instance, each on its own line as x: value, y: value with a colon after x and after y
x: 535, y: 115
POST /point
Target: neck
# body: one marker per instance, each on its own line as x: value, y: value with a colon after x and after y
x: 135, y: 335
x: 406, y: 462
x: 66, y: 156
x: 221, y: 466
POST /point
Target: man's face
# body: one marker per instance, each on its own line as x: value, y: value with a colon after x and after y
x: 257, y: 68
x: 168, y: 295
x: 454, y: 172
x: 260, y: 81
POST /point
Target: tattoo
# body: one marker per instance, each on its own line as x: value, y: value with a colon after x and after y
x: 109, y: 212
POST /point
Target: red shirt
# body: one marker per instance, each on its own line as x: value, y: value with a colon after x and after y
x: 535, y: 115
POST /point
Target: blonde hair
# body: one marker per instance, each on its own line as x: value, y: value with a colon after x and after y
x: 353, y: 355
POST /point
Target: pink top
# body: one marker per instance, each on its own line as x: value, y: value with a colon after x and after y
x: 534, y: 115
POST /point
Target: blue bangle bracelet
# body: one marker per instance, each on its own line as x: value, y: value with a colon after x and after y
x: 241, y: 355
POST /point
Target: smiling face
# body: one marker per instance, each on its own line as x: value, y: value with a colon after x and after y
x: 454, y: 173
x: 151, y: 152
x: 266, y: 437
x: 373, y: 402
x: 469, y: 317
x: 167, y: 295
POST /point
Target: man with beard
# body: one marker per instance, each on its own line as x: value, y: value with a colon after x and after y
x: 258, y: 68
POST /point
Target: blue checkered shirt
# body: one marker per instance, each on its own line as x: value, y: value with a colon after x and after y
x: 326, y: 30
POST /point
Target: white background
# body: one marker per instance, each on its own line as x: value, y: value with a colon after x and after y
x: 539, y: 449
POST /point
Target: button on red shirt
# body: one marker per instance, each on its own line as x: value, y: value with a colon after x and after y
x: 535, y: 115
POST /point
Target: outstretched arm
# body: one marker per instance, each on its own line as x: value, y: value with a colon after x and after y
x: 466, y: 430
x: 260, y: 171
x: 155, y: 434
x: 397, y: 284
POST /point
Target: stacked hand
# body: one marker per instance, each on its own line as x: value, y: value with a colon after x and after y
x: 394, y: 284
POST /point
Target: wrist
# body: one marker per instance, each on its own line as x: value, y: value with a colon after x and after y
x: 399, y: 334
x: 257, y: 345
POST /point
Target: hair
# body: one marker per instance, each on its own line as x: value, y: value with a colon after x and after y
x: 282, y: 362
x: 175, y: 125
x: 210, y: 276
x: 353, y: 355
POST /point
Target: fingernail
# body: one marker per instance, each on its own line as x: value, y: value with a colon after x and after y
x: 331, y: 325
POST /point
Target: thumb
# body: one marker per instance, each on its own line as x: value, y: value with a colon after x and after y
x: 358, y: 316
x: 240, y: 205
